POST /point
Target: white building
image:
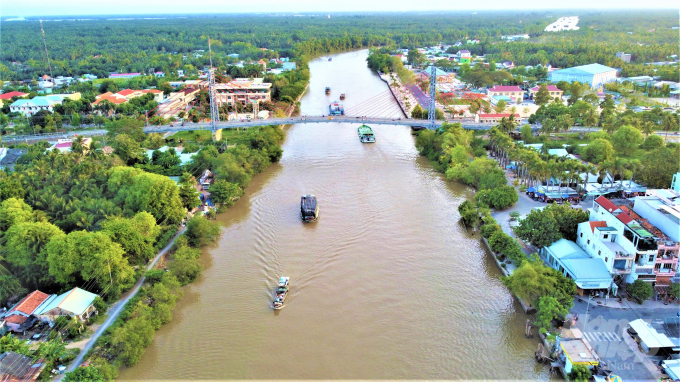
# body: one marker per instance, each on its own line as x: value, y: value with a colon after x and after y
x: 662, y: 209
x: 563, y: 24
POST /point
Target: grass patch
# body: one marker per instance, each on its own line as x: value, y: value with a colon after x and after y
x: 99, y: 319
x: 118, y: 81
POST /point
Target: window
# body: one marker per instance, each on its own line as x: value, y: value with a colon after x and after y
x: 651, y: 258
x: 606, y: 259
x: 581, y: 234
x: 606, y: 235
x: 599, y: 252
x: 588, y: 241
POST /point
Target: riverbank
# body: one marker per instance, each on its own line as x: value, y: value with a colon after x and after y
x: 401, y: 94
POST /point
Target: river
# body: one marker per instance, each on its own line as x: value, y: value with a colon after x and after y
x: 387, y: 284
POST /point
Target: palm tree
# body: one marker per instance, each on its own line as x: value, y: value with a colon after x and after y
x: 647, y: 128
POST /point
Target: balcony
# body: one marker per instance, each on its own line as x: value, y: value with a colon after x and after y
x: 667, y: 272
x: 644, y: 271
x: 624, y: 256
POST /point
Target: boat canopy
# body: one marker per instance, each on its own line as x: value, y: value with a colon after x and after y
x: 308, y: 205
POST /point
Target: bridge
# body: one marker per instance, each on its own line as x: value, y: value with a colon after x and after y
x: 308, y: 119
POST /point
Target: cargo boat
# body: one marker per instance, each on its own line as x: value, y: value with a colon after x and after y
x: 342, y: 96
x: 328, y: 90
x: 309, y: 209
x: 281, y: 293
x: 336, y: 108
x: 366, y: 134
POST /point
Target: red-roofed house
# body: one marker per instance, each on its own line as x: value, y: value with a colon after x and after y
x: 493, y: 118
x: 555, y: 92
x: 606, y: 204
x: 8, y: 96
x: 624, y: 217
x: 514, y: 92
x: 19, y: 317
x: 593, y: 225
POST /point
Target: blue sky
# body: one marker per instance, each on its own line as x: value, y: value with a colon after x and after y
x: 90, y: 7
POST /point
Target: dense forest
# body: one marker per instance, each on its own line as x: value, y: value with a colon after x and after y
x: 100, y: 46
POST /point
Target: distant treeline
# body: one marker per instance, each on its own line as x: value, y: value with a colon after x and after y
x: 103, y: 46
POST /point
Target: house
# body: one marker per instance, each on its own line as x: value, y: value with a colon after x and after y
x: 601, y: 241
x: 159, y: 74
x: 650, y: 340
x: 593, y: 74
x: 624, y: 56
x: 288, y: 66
x: 9, y: 157
x: 76, y: 303
x: 662, y: 209
x: 180, y: 73
x: 126, y: 95
x: 64, y: 145
x: 22, y: 315
x: 672, y: 368
x: 508, y: 65
x: 514, y: 92
x: 124, y: 75
x: 243, y: 91
x: 555, y: 92
x: 15, y: 367
x: 516, y: 37
x: 493, y: 118
x: 263, y: 64
x: 631, y: 236
x: 573, y: 262
x: 464, y: 56
x: 6, y: 97
x: 576, y: 351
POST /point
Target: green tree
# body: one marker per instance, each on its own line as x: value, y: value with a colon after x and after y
x: 658, y: 167
x: 188, y: 193
x: 25, y: 250
x: 540, y: 228
x: 640, y: 290
x: 542, y: 96
x: 128, y: 149
x: 136, y: 235
x: 469, y: 214
x: 498, y: 198
x: 185, y: 265
x: 527, y: 133
x: 14, y: 211
x: 10, y: 187
x: 223, y: 192
x: 83, y: 255
x: 128, y: 126
x: 415, y: 58
x: 75, y: 120
x: 10, y: 287
x: 579, y: 373
x: 575, y: 91
x: 653, y: 142
x: 598, y: 151
x: 547, y: 310
x: 626, y: 139
x: 674, y: 290
x: 531, y: 281
x: 84, y: 374
x: 200, y: 231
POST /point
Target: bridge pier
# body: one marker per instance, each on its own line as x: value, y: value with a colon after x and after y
x: 217, y: 135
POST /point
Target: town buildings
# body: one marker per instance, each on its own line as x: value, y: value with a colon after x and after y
x: 243, y: 91
x: 555, y: 92
x: 7, y: 97
x: 493, y: 118
x: 124, y: 75
x: 464, y: 56
x: 588, y: 272
x: 513, y: 92
x: 64, y: 145
x: 9, y: 157
x: 15, y: 367
x: 624, y: 56
x: 28, y: 107
x: 126, y: 95
x: 593, y: 74
x: 177, y: 102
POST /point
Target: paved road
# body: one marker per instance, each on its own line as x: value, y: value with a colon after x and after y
x: 605, y: 328
x: 68, y: 134
x: 116, y: 308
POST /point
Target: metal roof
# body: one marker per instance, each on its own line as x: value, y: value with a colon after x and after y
x: 75, y: 301
x: 650, y: 336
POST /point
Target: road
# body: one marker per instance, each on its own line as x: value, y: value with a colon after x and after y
x: 116, y: 308
x: 605, y: 328
x: 68, y: 134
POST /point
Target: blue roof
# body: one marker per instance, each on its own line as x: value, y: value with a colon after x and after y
x: 567, y: 249
x: 589, y: 69
x: 75, y: 301
x: 288, y: 66
x: 587, y: 269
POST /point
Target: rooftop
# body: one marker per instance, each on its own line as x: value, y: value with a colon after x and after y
x: 606, y: 204
x: 551, y: 88
x: 75, y: 301
x: 578, y: 352
x: 12, y: 94
x: 29, y: 303
x: 499, y: 88
x: 586, y: 69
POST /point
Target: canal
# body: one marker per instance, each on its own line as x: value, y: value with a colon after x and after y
x: 386, y: 285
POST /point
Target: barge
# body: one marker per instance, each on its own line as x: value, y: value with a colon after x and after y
x: 328, y: 90
x: 342, y: 96
x: 366, y: 134
x: 336, y: 108
x: 309, y: 209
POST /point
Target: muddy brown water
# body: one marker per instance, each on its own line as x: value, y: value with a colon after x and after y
x: 387, y: 284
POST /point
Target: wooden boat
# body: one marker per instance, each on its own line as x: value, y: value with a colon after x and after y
x: 281, y: 293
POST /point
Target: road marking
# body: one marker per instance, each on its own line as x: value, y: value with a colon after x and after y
x: 602, y: 336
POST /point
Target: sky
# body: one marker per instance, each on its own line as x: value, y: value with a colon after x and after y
x: 135, y: 7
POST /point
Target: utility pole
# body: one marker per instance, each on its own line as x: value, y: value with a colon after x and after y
x: 45, y: 44
x: 214, y: 111
x: 432, y: 107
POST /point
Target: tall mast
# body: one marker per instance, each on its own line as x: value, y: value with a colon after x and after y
x: 49, y: 65
x: 214, y: 111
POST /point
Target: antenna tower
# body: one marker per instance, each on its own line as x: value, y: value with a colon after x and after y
x: 432, y: 107
x: 49, y: 65
x: 214, y: 111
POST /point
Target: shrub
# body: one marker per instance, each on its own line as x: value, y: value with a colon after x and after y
x: 498, y: 198
x: 200, y: 231
x: 579, y: 373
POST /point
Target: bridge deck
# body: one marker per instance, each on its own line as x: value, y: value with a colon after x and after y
x: 306, y: 119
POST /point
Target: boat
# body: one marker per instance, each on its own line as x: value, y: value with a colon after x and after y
x: 309, y: 209
x: 342, y: 96
x: 281, y: 293
x: 328, y: 90
x: 366, y: 134
x: 336, y: 108
x: 330, y: 58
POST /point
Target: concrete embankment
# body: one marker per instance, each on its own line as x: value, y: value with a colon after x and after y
x: 404, y: 99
